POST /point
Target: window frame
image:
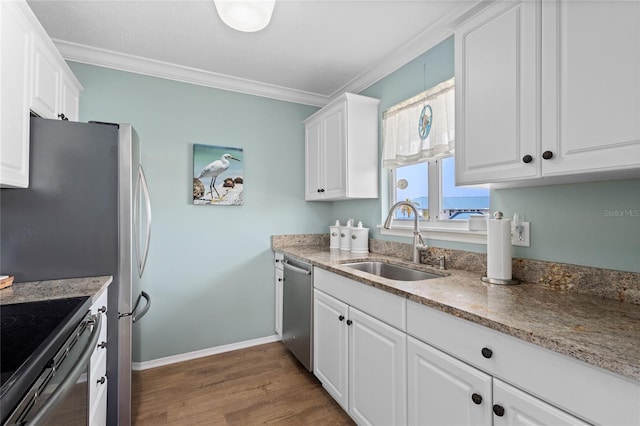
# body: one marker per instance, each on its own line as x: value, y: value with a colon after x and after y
x: 456, y: 230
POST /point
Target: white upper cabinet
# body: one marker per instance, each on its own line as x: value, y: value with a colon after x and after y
x: 497, y: 94
x: 341, y: 150
x: 16, y: 41
x: 548, y: 89
x: 590, y: 86
x: 33, y: 77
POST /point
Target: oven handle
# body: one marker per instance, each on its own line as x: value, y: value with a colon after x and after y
x: 74, y: 373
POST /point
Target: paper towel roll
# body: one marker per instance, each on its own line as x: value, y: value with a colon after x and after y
x: 499, y: 249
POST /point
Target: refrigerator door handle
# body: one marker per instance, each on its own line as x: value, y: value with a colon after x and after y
x: 142, y: 253
x: 132, y: 314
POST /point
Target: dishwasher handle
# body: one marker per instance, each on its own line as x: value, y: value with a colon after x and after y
x: 289, y: 266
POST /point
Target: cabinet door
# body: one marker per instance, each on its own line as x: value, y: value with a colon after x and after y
x: 69, y: 99
x: 520, y: 408
x: 15, y: 51
x: 445, y: 391
x: 279, y: 276
x: 377, y: 371
x: 97, y: 378
x: 313, y: 160
x: 45, y: 90
x: 591, y: 85
x: 330, y: 345
x: 497, y: 94
x: 334, y: 129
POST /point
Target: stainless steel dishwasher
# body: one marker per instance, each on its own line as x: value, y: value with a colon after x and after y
x: 297, y: 310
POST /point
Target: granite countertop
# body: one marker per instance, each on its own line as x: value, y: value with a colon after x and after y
x: 601, y: 332
x: 55, y: 289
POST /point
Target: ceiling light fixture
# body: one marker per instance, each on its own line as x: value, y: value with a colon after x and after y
x: 245, y: 15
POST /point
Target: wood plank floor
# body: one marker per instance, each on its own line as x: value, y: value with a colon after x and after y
x: 262, y: 385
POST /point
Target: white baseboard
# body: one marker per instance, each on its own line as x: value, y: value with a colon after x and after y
x: 138, y: 366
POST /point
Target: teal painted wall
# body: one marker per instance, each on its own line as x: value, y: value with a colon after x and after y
x: 210, y: 268
x: 429, y: 69
x: 569, y: 223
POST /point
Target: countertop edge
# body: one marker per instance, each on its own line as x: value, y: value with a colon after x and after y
x: 33, y: 291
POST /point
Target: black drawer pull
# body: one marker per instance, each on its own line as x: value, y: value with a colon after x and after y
x: 341, y: 318
x: 498, y: 410
x: 487, y: 353
x: 476, y: 398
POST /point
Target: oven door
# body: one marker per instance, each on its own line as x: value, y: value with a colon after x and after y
x: 59, y: 395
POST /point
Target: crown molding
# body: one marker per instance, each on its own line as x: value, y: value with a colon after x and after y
x: 421, y: 43
x: 124, y: 62
x: 415, y: 47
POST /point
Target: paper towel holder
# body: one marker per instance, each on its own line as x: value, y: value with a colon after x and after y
x: 498, y: 215
x: 499, y: 281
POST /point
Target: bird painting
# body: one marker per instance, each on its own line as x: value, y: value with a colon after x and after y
x: 214, y: 169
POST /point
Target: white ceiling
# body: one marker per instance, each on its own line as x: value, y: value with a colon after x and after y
x: 312, y: 51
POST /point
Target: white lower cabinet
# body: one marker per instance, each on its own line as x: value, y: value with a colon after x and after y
x: 377, y: 371
x: 515, y: 407
x: 390, y: 361
x: 530, y: 385
x: 444, y: 390
x: 279, y: 279
x: 97, y: 377
x: 361, y: 362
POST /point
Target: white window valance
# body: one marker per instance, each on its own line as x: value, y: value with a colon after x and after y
x: 402, y: 144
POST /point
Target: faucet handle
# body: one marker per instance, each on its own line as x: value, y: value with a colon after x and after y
x: 443, y: 263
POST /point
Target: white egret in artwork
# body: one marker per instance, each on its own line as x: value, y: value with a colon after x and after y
x: 213, y: 170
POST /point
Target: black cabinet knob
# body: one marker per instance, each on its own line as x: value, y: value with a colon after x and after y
x: 476, y: 398
x: 101, y: 380
x: 280, y: 279
x: 341, y: 317
x: 322, y: 190
x: 102, y: 345
x: 63, y: 117
x: 527, y: 159
x: 547, y: 155
x: 487, y: 353
x: 318, y: 189
x: 498, y: 410
x: 349, y: 322
x: 103, y: 310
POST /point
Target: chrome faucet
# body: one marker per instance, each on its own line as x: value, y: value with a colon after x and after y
x: 418, y: 242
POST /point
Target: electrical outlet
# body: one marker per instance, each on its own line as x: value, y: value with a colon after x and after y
x: 520, y: 237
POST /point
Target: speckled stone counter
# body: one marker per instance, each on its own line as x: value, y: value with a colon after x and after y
x: 601, y: 332
x: 55, y: 289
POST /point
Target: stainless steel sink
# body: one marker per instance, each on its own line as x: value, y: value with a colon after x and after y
x: 392, y: 272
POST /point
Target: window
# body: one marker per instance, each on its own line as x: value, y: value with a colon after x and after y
x: 416, y: 182
x: 418, y: 150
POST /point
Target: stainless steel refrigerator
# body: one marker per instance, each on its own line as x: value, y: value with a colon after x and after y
x: 86, y: 213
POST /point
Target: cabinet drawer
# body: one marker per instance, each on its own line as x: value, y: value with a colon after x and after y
x: 378, y: 303
x: 583, y: 390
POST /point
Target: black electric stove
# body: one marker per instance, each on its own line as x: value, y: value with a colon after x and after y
x: 30, y: 335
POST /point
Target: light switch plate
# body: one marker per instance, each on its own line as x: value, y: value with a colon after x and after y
x: 520, y: 239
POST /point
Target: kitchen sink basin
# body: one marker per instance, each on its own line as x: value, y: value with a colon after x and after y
x: 392, y: 272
